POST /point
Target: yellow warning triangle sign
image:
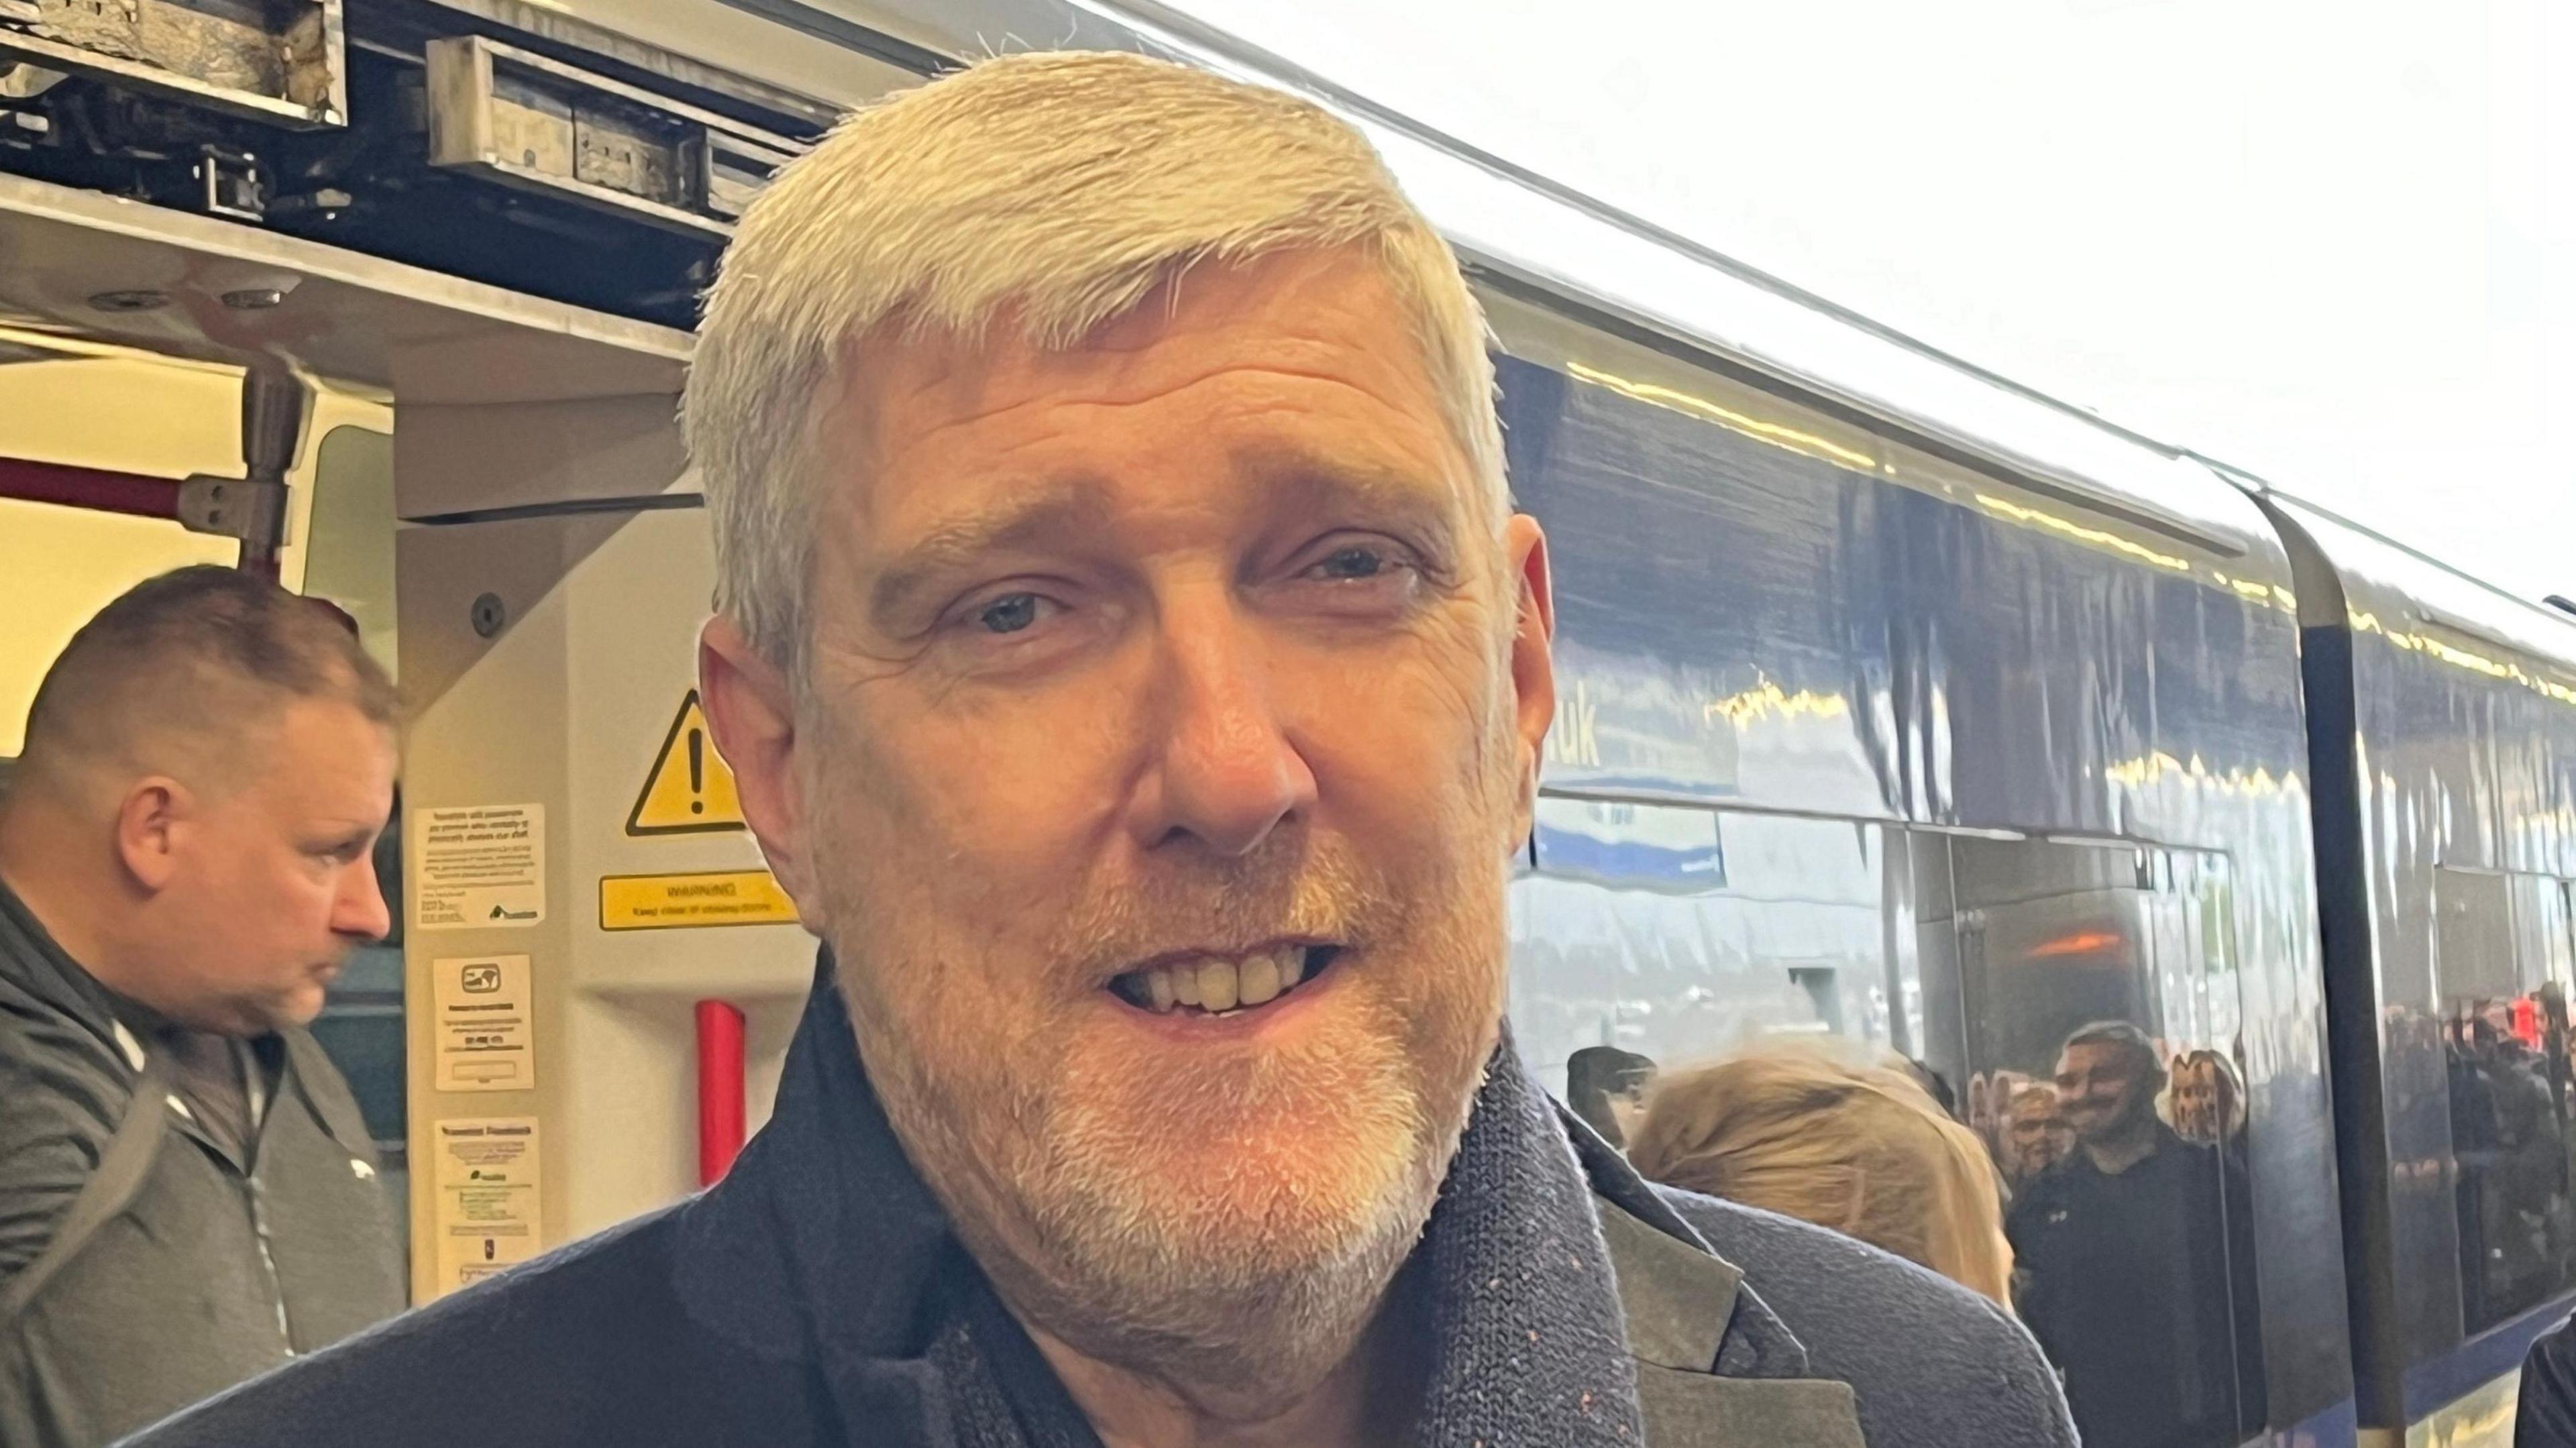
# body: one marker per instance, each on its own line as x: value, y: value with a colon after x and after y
x: 690, y: 791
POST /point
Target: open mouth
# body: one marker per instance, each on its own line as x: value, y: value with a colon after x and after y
x: 1219, y: 985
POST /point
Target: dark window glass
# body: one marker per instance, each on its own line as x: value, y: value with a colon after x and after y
x: 2100, y: 998
x: 2076, y: 1002
x: 2503, y: 957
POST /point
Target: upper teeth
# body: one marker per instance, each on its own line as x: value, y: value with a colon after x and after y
x: 1218, y: 984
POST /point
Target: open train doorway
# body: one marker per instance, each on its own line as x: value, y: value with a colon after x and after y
x: 499, y: 548
x: 99, y: 438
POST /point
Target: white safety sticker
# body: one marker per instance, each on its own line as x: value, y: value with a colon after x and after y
x: 488, y: 1206
x: 479, y: 867
x: 485, y: 1040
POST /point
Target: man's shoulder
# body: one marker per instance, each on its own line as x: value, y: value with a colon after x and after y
x: 1931, y: 1362
x: 320, y: 1081
x: 65, y: 1099
x: 56, y: 1078
x: 587, y: 1344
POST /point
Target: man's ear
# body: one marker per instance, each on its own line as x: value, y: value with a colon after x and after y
x: 1533, y: 656
x: 151, y: 821
x: 751, y: 707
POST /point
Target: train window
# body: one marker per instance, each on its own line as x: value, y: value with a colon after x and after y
x: 1652, y: 935
x: 349, y: 549
x: 2099, y: 999
x: 2504, y: 956
x: 2076, y: 1002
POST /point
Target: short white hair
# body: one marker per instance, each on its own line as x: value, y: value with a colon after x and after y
x: 1048, y: 192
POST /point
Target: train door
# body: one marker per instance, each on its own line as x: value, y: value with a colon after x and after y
x: 582, y: 919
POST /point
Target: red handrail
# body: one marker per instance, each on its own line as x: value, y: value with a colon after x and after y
x: 98, y: 489
x: 720, y: 1089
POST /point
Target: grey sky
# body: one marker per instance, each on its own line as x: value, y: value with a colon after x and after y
x: 2334, y: 243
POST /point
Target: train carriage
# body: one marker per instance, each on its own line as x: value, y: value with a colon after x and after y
x: 2444, y: 724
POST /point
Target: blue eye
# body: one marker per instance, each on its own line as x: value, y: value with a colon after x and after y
x: 1349, y: 563
x: 1008, y: 614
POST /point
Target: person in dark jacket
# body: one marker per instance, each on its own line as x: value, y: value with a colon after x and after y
x: 188, y: 1196
x: 2136, y: 1254
x: 1133, y: 669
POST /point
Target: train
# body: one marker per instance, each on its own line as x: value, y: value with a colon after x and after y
x: 1900, y: 705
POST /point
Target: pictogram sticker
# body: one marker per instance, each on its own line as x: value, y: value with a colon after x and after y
x: 689, y: 791
x: 483, y: 1030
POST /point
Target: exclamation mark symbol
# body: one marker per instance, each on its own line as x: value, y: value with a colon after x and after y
x: 697, y: 771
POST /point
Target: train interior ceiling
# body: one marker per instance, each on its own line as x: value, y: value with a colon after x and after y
x: 1936, y: 723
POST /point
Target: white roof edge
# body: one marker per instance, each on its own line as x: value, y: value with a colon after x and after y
x: 2436, y: 591
x: 1510, y: 220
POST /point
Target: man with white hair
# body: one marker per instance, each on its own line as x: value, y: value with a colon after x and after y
x: 1135, y: 671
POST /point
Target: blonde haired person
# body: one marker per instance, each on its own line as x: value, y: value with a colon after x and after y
x: 1860, y: 1149
x: 2204, y: 1100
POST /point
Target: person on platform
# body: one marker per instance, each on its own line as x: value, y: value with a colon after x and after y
x: 2137, y: 1261
x: 1135, y: 672
x: 188, y: 1195
x: 2036, y: 1135
x: 1859, y: 1149
x: 2205, y: 1100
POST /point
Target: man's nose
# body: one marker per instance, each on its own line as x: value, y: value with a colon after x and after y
x: 360, y: 909
x: 1224, y: 771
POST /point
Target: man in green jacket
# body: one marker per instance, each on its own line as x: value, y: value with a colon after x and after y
x: 188, y: 1196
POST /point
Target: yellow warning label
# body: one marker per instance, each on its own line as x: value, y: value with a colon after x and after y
x: 683, y: 902
x: 689, y: 791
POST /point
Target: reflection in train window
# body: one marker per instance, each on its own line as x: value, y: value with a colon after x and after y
x: 2104, y: 975
x: 2078, y: 1001
x: 1677, y: 934
x: 2504, y: 955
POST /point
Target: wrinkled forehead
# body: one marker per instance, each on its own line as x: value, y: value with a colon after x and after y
x: 1294, y: 358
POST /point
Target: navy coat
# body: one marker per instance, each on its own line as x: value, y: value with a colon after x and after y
x: 801, y: 1303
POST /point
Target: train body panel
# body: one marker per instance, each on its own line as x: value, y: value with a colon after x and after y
x: 1859, y: 740
x: 2461, y: 785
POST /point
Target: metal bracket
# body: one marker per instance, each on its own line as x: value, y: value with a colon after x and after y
x: 253, y: 508
x: 244, y: 508
x: 232, y: 183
